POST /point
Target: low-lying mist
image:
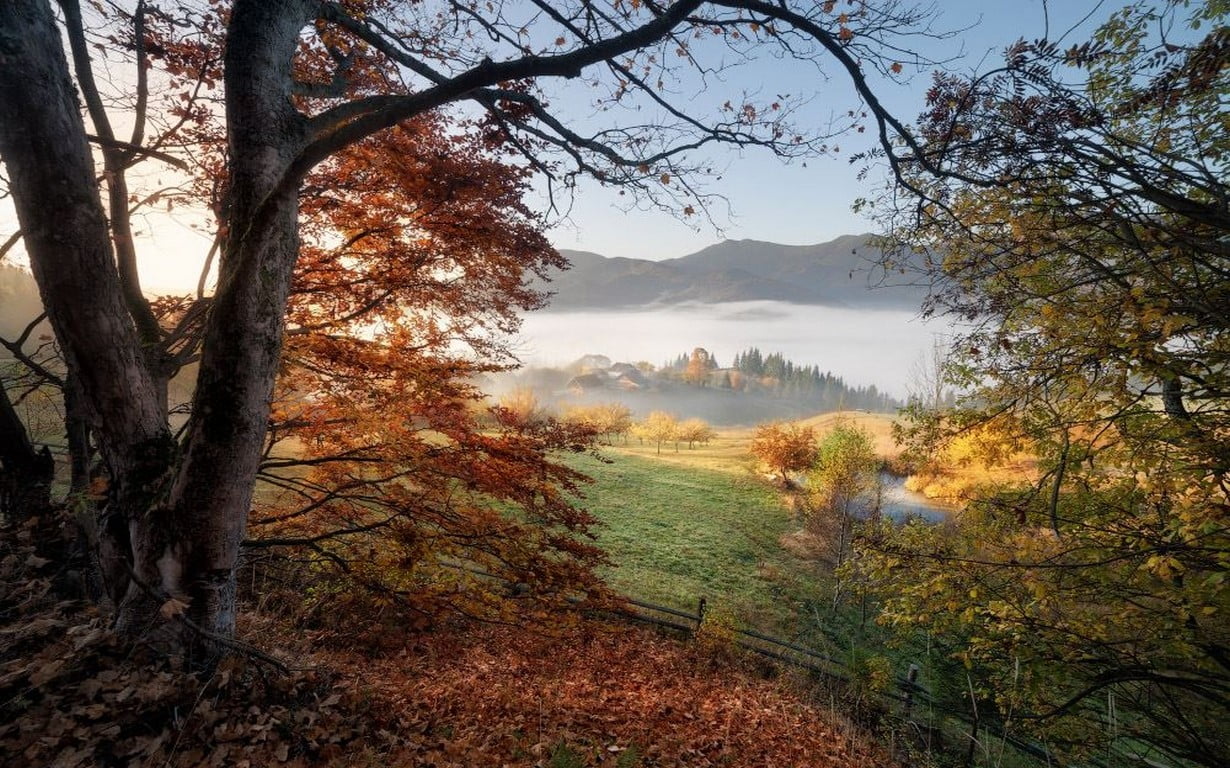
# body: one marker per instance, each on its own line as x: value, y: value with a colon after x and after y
x: 716, y: 406
x: 864, y: 347
x: 771, y: 361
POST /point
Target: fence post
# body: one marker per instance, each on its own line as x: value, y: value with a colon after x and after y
x: 973, y: 734
x: 700, y: 612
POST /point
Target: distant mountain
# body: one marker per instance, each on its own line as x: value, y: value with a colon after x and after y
x: 837, y: 273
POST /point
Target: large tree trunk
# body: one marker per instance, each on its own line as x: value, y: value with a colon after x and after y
x: 213, y: 491
x: 243, y: 339
x: 52, y: 180
x: 168, y: 531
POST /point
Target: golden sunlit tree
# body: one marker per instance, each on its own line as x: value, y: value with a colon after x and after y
x: 1071, y: 208
x: 694, y: 431
x: 841, y: 486
x: 657, y: 428
x: 784, y: 448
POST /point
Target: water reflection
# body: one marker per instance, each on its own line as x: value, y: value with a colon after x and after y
x: 899, y: 502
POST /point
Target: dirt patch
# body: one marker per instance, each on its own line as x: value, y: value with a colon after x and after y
x: 803, y: 544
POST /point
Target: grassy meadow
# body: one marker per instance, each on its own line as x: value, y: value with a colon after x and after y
x: 730, y: 451
x: 677, y: 533
x: 705, y: 522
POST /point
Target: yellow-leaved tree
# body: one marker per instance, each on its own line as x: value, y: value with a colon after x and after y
x: 1071, y: 208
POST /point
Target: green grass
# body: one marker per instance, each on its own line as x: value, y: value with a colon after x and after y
x: 678, y: 533
x: 701, y: 522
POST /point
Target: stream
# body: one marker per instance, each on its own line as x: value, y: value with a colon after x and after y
x: 899, y: 502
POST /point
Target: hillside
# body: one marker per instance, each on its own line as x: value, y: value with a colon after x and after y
x: 837, y: 273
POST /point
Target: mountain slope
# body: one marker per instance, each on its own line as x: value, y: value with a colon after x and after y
x: 836, y: 273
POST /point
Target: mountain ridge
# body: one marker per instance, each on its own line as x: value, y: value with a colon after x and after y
x: 838, y: 273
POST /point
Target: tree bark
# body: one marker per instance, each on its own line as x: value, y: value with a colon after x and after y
x: 243, y: 338
x: 162, y: 534
x: 25, y: 473
x: 52, y: 179
x: 77, y: 429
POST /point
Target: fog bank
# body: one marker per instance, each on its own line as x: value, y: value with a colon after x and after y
x: 861, y: 346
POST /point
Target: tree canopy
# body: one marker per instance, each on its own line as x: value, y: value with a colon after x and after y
x: 1071, y: 208
x: 785, y: 448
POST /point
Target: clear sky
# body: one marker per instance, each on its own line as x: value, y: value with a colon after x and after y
x: 802, y: 205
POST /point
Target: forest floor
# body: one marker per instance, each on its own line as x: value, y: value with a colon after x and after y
x: 597, y: 694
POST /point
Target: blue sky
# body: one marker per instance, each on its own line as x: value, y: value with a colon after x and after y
x: 802, y: 205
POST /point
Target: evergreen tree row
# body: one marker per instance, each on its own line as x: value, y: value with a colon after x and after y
x: 773, y: 374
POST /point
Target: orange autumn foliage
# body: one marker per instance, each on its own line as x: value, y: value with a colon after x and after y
x: 496, y: 696
x: 410, y: 279
x: 384, y: 467
x: 785, y: 448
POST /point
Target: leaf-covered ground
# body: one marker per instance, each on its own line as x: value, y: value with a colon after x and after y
x: 603, y: 696
x: 466, y: 695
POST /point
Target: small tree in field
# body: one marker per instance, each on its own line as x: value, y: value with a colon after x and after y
x: 841, y: 482
x: 610, y: 420
x: 658, y: 427
x: 785, y: 448
x: 522, y: 406
x: 693, y: 431
x: 615, y: 420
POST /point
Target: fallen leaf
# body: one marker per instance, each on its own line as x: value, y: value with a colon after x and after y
x: 172, y: 608
x: 47, y: 672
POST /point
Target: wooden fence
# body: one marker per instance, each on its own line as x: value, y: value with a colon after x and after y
x: 907, y: 694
